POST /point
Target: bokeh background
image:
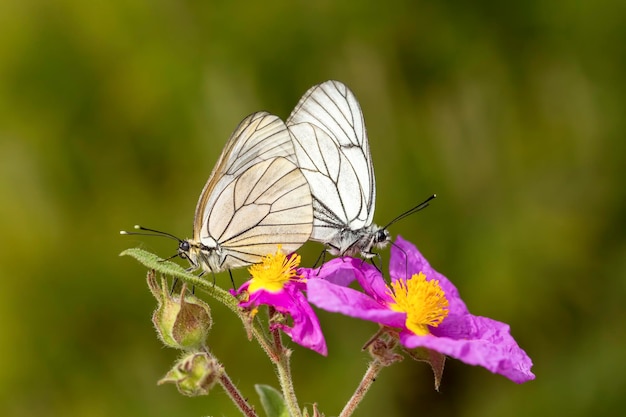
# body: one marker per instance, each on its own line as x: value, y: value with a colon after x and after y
x: 113, y: 113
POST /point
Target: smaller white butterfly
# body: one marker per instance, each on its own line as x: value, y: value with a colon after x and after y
x: 331, y: 149
x: 255, y: 199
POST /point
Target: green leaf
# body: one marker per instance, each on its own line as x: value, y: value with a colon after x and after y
x: 272, y: 401
x: 152, y: 261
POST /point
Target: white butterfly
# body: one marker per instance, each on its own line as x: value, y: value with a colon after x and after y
x: 331, y: 149
x: 255, y: 199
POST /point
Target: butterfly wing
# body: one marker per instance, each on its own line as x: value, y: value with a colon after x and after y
x: 331, y: 149
x: 255, y: 198
x: 269, y: 204
x: 259, y: 137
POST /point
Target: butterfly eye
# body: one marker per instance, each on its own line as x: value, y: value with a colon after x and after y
x: 381, y: 236
x: 184, y: 247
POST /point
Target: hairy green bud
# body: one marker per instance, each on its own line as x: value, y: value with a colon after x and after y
x: 181, y: 321
x: 194, y: 374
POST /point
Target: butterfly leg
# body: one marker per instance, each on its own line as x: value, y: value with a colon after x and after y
x: 174, y: 283
x: 231, y: 279
x: 322, y: 257
x: 369, y: 256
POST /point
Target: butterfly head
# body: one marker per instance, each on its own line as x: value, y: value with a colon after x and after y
x: 380, y: 238
x: 359, y: 241
x: 377, y: 238
x: 200, y: 255
x: 185, y: 252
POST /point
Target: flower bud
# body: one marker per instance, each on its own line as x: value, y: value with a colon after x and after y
x: 194, y: 374
x: 182, y: 322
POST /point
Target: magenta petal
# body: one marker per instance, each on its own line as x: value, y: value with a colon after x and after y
x: 338, y: 299
x: 343, y: 271
x: 340, y: 271
x: 471, y: 339
x: 306, y: 329
x: 373, y: 283
x: 477, y: 341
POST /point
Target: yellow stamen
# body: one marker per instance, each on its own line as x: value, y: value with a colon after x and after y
x: 273, y: 272
x: 424, y: 302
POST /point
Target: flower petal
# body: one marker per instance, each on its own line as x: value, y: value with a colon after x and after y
x: 338, y: 299
x: 306, y: 330
x: 373, y: 283
x: 339, y: 271
x: 471, y: 339
x: 477, y: 341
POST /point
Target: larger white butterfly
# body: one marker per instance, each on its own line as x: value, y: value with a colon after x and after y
x: 255, y: 199
x: 331, y: 149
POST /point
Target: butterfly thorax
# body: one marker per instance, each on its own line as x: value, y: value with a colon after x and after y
x: 207, y: 256
x: 359, y: 242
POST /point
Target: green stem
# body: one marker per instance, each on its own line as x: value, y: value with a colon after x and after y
x: 277, y: 354
x: 368, y: 379
x: 283, y: 369
x: 235, y: 395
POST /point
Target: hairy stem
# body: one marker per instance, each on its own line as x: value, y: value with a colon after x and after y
x: 283, y: 369
x: 368, y: 379
x: 271, y: 345
x: 235, y: 395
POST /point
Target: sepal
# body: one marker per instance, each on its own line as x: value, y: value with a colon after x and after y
x: 435, y: 359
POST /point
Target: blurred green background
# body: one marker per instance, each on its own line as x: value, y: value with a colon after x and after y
x: 113, y: 113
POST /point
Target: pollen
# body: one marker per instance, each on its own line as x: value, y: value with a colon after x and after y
x: 424, y: 303
x: 273, y: 272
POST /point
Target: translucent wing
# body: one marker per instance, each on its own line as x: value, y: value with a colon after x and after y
x: 331, y: 149
x: 255, y: 198
x: 259, y: 137
x: 269, y: 204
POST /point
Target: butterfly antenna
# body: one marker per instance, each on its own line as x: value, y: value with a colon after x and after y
x: 415, y: 209
x: 154, y: 233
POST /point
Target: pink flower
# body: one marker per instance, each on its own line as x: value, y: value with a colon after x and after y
x: 423, y: 305
x: 276, y: 283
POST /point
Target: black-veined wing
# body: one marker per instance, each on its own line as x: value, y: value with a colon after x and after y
x: 331, y: 149
x: 255, y: 199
